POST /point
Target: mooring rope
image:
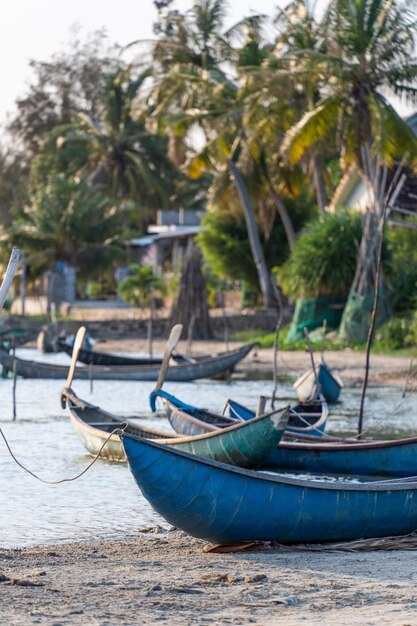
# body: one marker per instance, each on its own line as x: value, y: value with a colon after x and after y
x: 120, y: 427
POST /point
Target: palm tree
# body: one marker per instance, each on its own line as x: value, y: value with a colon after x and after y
x: 67, y: 220
x: 195, y: 91
x: 299, y: 31
x: 123, y: 158
x: 370, y: 53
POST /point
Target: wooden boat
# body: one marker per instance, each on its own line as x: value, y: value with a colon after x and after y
x: 221, y: 503
x: 204, y: 368
x: 308, y: 453
x: 395, y: 458
x: 307, y: 418
x: 16, y: 337
x: 108, y: 359
x: 245, y: 444
x: 330, y: 383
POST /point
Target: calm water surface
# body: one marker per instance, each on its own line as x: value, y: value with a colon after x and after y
x: 106, y: 502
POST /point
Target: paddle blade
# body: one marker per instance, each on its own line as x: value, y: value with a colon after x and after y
x: 10, y: 272
x: 173, y: 339
x: 79, y: 338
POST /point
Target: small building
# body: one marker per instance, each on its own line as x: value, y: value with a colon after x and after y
x: 353, y: 193
x: 167, y: 241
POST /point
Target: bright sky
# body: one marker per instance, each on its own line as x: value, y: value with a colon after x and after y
x: 36, y: 29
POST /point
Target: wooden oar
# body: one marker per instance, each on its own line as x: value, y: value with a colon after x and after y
x: 79, y: 338
x: 313, y: 365
x: 173, y: 339
x: 10, y: 272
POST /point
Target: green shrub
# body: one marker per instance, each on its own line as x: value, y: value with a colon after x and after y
x: 393, y: 335
x: 141, y: 284
x: 400, y: 272
x: 324, y: 259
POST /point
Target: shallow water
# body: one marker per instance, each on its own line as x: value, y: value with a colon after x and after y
x: 106, y: 502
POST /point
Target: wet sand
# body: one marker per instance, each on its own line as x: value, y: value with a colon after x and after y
x: 165, y: 577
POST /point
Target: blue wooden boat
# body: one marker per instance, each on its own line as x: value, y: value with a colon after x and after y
x: 222, y: 504
x: 337, y: 456
x: 186, y: 419
x: 306, y: 418
x: 330, y: 383
x: 308, y: 453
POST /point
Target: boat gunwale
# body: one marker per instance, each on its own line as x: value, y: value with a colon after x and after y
x: 166, y: 437
x: 397, y: 484
x: 348, y: 444
x: 295, y: 431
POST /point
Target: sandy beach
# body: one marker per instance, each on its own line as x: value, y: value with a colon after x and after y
x: 160, y: 575
x: 349, y: 363
x: 165, y: 577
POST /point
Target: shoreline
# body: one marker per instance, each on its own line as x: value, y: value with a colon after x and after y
x: 163, y: 576
x: 350, y: 364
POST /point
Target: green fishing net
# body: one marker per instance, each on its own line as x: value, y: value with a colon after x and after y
x: 356, y: 318
x: 310, y: 313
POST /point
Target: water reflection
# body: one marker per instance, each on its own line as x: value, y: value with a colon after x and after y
x: 106, y: 502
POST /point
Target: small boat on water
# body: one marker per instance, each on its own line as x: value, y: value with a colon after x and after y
x: 329, y: 381
x: 109, y: 359
x: 222, y: 504
x: 304, y: 453
x: 243, y: 444
x: 207, y: 367
x: 305, y: 418
x: 394, y: 458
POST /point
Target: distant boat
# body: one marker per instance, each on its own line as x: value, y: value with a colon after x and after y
x: 330, y: 383
x: 207, y: 367
x: 244, y: 444
x: 109, y: 359
x: 305, y: 418
x: 222, y: 504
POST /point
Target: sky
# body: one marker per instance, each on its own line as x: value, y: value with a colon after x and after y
x: 36, y: 29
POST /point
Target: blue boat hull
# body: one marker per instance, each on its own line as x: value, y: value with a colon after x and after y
x: 373, y: 458
x: 330, y: 384
x: 222, y: 504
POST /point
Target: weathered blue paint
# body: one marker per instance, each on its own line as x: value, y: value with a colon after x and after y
x: 396, y: 458
x: 316, y: 429
x: 368, y: 458
x: 237, y: 413
x: 221, y: 503
x: 161, y: 393
x: 330, y: 384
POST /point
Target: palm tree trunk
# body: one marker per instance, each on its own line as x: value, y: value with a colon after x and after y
x: 254, y: 240
x: 285, y: 218
x: 319, y: 184
x: 281, y: 210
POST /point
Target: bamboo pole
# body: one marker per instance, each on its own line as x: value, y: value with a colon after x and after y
x: 385, y: 210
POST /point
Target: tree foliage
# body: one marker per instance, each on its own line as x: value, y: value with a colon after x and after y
x: 141, y: 285
x: 67, y: 220
x: 324, y: 260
